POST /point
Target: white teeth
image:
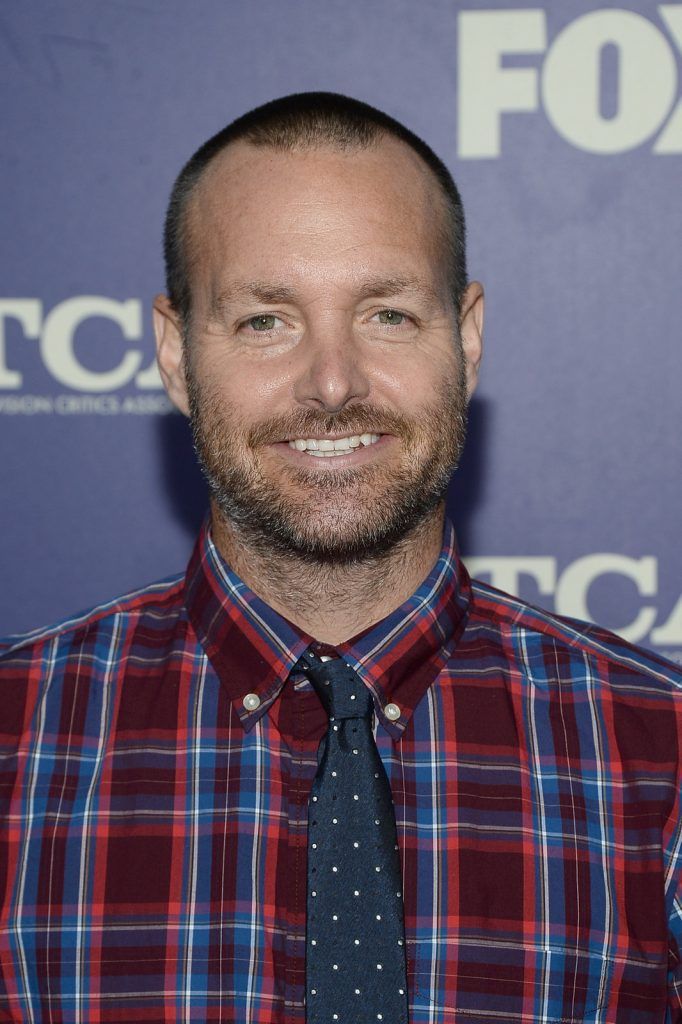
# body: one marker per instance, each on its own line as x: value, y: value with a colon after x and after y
x: 338, y: 446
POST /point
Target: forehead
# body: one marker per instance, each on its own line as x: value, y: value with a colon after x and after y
x: 258, y: 207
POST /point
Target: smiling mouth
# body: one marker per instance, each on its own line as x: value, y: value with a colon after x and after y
x: 331, y: 447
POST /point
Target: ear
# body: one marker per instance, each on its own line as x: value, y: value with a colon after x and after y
x: 471, y: 331
x: 169, y: 352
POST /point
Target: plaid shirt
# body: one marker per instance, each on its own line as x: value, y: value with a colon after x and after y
x: 153, y: 844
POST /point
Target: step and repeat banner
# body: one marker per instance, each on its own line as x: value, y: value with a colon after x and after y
x: 562, y: 124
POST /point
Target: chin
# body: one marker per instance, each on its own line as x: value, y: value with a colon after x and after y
x: 337, y: 538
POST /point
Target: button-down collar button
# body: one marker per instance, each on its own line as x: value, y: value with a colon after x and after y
x: 251, y: 702
x: 392, y: 712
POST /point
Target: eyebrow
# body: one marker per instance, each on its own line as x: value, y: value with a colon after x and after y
x: 383, y: 287
x: 261, y: 291
x: 271, y: 293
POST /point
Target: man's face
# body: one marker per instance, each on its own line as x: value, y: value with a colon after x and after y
x: 321, y: 321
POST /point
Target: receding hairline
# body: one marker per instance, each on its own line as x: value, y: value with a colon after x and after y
x: 306, y: 122
x: 301, y: 148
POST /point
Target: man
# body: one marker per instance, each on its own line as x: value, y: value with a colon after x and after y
x: 162, y: 855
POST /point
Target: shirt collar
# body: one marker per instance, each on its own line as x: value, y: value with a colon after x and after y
x: 253, y: 649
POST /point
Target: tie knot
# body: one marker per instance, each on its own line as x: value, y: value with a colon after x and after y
x: 339, y: 687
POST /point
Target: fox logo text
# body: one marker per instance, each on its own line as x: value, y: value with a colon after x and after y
x: 568, y: 84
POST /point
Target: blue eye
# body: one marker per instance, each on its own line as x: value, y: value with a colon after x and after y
x: 391, y: 317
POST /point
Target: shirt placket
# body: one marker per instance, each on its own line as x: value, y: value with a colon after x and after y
x: 302, y: 722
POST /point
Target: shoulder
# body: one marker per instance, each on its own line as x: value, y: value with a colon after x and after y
x: 537, y: 635
x: 156, y: 606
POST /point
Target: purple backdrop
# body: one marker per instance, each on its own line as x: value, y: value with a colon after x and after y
x: 563, y: 128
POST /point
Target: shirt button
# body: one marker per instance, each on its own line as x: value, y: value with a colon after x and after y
x: 392, y: 712
x: 251, y: 702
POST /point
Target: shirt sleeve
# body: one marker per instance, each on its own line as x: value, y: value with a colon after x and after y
x: 673, y: 860
x: 674, y: 1012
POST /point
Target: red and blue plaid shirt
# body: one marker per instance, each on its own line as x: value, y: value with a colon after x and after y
x: 153, y: 845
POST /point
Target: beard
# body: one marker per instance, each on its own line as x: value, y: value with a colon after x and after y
x: 330, y: 517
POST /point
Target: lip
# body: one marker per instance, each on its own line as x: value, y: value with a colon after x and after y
x: 355, y: 457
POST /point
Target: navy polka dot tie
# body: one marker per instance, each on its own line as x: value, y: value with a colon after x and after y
x: 355, y: 940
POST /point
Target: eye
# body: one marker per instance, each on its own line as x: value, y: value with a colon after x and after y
x: 391, y: 317
x: 263, y: 322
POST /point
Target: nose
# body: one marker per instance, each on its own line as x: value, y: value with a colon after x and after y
x: 333, y: 373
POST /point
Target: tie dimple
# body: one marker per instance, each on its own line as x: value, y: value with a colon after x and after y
x: 355, y: 955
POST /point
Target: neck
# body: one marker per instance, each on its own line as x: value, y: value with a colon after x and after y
x: 336, y: 602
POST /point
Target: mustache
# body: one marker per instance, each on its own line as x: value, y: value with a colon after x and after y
x: 358, y: 419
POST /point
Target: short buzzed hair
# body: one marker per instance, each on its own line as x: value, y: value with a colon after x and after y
x: 303, y: 121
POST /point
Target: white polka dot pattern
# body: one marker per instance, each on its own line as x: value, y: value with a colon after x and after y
x: 354, y: 870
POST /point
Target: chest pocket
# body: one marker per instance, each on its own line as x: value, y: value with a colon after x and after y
x: 487, y: 981
x: 512, y: 931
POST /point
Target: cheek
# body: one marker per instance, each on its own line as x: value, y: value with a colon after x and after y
x: 420, y: 380
x: 249, y: 383
x: 270, y: 389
